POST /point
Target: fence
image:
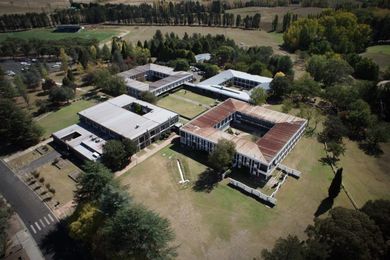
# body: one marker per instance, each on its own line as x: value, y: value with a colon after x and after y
x: 289, y: 171
x: 254, y: 192
x: 279, y: 185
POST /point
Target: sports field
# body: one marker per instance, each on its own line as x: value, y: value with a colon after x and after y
x: 380, y: 54
x: 100, y: 34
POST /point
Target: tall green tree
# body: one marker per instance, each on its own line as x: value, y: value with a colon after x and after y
x: 221, y: 158
x: 92, y: 182
x: 258, y: 96
x: 290, y: 248
x: 137, y: 233
x: 114, y: 155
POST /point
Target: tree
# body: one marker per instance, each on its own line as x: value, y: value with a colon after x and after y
x: 48, y: 84
x: 279, y: 63
x: 87, y: 221
x: 258, y: 96
x: 335, y: 186
x: 148, y: 97
x: 348, y: 234
x: 17, y: 127
x: 375, y: 134
x: 7, y: 90
x: 92, y: 183
x: 337, y: 149
x: 366, y: 69
x: 221, y: 158
x: 379, y: 212
x: 181, y: 64
x: 290, y: 248
x: 106, y: 54
x: 64, y: 60
x: 358, y: 118
x: 224, y: 54
x: 256, y: 68
x: 112, y: 199
x: 306, y: 87
x: 61, y: 94
x: 130, y: 147
x: 114, y: 155
x: 280, y: 87
x: 137, y: 233
x: 275, y: 23
x: 21, y: 88
x: 333, y: 131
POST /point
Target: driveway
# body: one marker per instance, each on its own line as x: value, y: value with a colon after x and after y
x: 46, y: 158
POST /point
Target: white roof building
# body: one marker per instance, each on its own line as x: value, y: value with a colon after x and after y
x: 220, y: 84
x: 202, y: 57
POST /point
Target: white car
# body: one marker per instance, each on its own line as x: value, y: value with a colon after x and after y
x: 56, y: 66
x: 10, y: 73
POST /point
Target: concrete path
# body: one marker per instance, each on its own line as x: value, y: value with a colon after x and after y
x: 44, y: 159
x: 189, y: 100
x: 136, y: 160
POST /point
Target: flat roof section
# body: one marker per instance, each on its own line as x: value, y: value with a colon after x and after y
x: 171, y: 77
x: 267, y: 147
x: 82, y: 140
x: 112, y: 115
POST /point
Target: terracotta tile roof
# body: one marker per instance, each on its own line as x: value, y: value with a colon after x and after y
x: 267, y: 147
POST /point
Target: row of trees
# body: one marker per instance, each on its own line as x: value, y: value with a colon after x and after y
x: 344, y: 234
x: 172, y: 13
x: 110, y: 225
x: 332, y: 30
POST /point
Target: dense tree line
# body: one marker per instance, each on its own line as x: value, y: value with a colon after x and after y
x: 181, y: 13
x: 225, y: 53
x: 344, y: 234
x: 379, y: 22
x: 333, y: 30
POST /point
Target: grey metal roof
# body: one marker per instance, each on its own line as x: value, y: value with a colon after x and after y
x: 113, y: 116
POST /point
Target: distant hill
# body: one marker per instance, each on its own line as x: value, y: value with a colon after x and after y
x: 23, y: 6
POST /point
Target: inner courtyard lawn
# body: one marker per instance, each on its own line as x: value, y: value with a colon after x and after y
x: 180, y: 106
x: 63, y: 117
x: 195, y: 97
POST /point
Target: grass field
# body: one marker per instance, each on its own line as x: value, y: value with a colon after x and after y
x: 224, y: 222
x: 243, y: 38
x: 181, y: 107
x: 195, y: 97
x: 64, y: 117
x: 380, y: 54
x: 100, y: 34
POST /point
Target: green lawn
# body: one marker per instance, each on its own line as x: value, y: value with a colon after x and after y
x: 64, y: 117
x: 181, y: 107
x: 48, y: 34
x: 195, y: 97
x: 380, y: 54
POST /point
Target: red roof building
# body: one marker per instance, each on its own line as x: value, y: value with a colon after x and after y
x: 261, y: 156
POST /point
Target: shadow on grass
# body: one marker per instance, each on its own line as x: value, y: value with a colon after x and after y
x: 207, y: 181
x: 267, y: 203
x: 242, y: 175
x: 196, y: 155
x: 328, y: 161
x: 325, y: 205
x: 372, y: 150
x: 59, y: 245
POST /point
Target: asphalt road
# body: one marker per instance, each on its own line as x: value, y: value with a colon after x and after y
x: 34, y: 213
x: 49, y: 157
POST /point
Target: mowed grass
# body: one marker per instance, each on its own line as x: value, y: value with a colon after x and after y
x: 225, y: 223
x: 195, y: 97
x: 47, y: 34
x: 380, y: 54
x: 63, y: 117
x: 180, y: 106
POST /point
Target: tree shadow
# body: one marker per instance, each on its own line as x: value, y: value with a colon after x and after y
x: 207, y: 181
x: 328, y: 161
x: 325, y: 205
x: 372, y: 150
x: 59, y: 245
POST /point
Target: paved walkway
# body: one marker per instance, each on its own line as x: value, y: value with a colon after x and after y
x: 136, y: 160
x: 189, y: 100
x: 44, y: 159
